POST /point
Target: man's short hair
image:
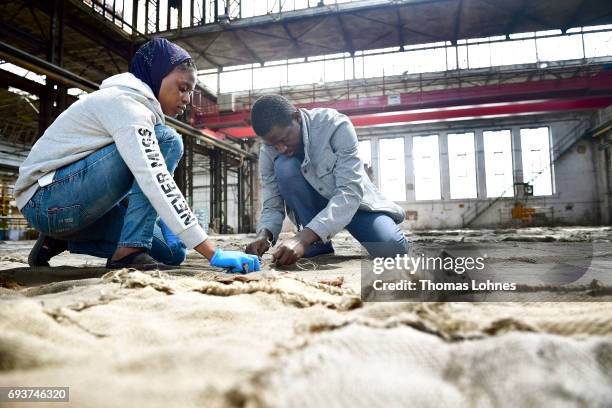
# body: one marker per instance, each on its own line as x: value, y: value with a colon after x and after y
x: 269, y: 111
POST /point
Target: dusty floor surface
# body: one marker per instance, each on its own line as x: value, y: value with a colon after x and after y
x: 196, y: 337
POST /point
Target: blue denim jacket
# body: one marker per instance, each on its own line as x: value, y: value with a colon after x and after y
x: 331, y: 166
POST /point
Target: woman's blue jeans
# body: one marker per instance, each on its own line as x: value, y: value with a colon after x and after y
x: 83, y: 205
x: 376, y: 231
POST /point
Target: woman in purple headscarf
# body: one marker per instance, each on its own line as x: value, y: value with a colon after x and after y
x: 100, y: 177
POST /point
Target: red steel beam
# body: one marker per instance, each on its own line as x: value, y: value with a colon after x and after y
x: 459, y: 113
x: 577, y: 87
x: 481, y: 111
x: 600, y: 84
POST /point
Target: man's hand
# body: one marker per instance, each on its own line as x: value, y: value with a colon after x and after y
x: 261, y: 244
x: 292, y: 249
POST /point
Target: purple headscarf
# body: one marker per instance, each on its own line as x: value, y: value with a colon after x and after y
x: 154, y: 60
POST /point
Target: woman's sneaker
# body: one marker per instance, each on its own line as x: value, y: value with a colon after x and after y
x: 44, y: 249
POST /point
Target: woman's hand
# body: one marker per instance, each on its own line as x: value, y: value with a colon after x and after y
x: 236, y: 261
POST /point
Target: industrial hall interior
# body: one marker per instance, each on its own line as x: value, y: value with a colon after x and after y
x: 306, y: 203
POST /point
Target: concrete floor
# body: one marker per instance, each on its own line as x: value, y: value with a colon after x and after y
x: 529, y: 256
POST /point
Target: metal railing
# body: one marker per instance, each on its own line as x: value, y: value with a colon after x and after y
x: 114, y: 11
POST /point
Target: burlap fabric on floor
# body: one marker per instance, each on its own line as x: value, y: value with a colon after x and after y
x: 199, y: 338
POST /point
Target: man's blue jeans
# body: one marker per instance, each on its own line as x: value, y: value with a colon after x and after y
x: 376, y: 231
x: 83, y: 205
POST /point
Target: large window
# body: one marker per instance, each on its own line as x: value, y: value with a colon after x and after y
x: 392, y: 168
x: 426, y: 159
x: 535, y: 147
x: 462, y: 165
x: 365, y: 154
x: 498, y: 163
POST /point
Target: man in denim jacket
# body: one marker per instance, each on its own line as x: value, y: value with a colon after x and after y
x: 310, y: 168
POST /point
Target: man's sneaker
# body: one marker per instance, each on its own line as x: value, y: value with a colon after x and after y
x: 138, y: 260
x: 44, y: 249
x: 319, y: 248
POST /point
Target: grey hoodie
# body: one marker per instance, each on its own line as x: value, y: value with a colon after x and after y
x: 124, y: 111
